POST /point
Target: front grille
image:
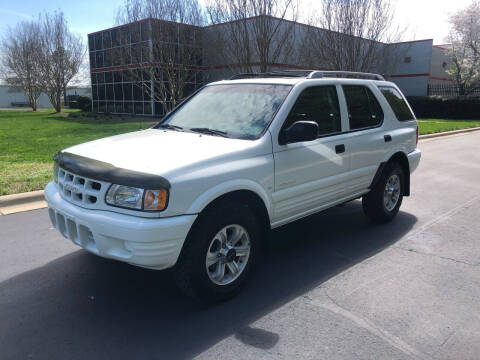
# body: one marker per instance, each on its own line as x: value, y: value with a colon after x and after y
x: 81, y: 190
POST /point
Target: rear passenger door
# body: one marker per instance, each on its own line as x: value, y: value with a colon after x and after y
x: 366, y: 142
x: 311, y: 174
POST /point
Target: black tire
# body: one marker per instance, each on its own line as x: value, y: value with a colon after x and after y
x: 190, y: 272
x: 373, y: 202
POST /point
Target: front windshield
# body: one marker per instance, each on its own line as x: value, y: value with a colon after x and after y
x: 237, y: 110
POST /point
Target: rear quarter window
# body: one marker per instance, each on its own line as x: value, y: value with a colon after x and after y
x: 364, y: 111
x: 397, y: 103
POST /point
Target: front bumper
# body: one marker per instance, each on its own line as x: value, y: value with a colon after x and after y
x: 414, y: 159
x: 147, y: 242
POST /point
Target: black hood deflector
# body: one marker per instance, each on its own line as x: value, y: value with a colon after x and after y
x: 103, y: 171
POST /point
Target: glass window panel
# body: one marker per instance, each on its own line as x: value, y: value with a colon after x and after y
x: 319, y: 104
x: 92, y: 60
x: 95, y: 106
x: 128, y: 107
x: 94, y: 78
x: 98, y: 41
x: 118, y: 88
x: 115, y: 37
x: 119, y: 107
x: 91, y: 42
x: 101, y: 92
x: 127, y: 91
x: 127, y: 76
x: 137, y: 92
x: 146, y: 75
x: 145, y: 30
x: 107, y: 58
x: 110, y: 107
x: 100, y: 78
x: 125, y: 35
x: 145, y: 52
x: 102, y: 107
x: 188, y: 89
x: 159, y: 109
x: 108, y: 77
x: 147, y: 108
x: 117, y: 76
x: 107, y: 40
x: 94, y: 92
x: 146, y: 88
x: 99, y: 59
x: 135, y: 30
x: 136, y: 53
x: 397, y: 103
x: 364, y: 111
x: 138, y: 108
x: 109, y: 91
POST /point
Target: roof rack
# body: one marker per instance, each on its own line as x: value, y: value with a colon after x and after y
x: 310, y: 74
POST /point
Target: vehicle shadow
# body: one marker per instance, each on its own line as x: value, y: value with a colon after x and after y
x: 82, y: 306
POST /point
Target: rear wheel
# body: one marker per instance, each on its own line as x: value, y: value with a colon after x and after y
x: 383, y: 202
x: 219, y: 254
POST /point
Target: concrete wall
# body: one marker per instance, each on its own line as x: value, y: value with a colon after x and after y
x: 408, y: 63
x: 438, y: 66
x: 411, y: 71
x: 9, y: 95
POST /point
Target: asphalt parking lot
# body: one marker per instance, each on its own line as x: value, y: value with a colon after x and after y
x: 331, y: 286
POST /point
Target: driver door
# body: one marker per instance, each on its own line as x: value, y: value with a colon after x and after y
x: 310, y: 175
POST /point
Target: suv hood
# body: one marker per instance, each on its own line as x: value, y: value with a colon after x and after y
x: 160, y: 152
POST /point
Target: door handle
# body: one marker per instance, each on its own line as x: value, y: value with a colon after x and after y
x: 340, y: 148
x: 387, y: 138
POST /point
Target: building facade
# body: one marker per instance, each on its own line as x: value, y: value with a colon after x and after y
x: 127, y: 63
x: 11, y: 97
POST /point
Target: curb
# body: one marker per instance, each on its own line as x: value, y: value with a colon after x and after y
x: 10, y: 204
x: 447, y: 133
x: 22, y: 198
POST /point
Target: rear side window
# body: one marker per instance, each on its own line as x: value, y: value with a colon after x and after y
x: 397, y: 103
x: 364, y: 111
x: 319, y: 104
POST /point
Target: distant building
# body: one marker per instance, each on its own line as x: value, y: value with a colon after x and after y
x: 114, y: 90
x: 11, y: 97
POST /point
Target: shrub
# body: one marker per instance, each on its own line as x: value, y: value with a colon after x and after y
x: 84, y: 103
x: 448, y: 108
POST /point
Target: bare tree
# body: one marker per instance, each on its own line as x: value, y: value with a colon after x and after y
x: 19, y: 62
x: 59, y: 57
x: 464, y: 47
x: 350, y: 35
x: 253, y: 33
x: 168, y: 59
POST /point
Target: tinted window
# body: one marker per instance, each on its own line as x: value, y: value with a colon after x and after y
x: 364, y: 111
x: 397, y: 103
x: 319, y: 104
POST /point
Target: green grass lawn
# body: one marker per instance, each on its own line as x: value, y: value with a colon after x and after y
x: 430, y: 126
x: 29, y: 140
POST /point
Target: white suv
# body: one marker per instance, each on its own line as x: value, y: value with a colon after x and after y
x: 200, y: 190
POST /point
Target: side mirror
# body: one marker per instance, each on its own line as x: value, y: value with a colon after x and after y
x: 299, y: 131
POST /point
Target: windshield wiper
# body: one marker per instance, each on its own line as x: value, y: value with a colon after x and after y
x: 170, y: 127
x: 208, y: 131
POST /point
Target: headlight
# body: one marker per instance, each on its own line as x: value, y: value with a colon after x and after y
x: 136, y: 198
x: 55, y: 171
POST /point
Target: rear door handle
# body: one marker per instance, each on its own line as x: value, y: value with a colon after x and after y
x: 340, y: 149
x: 387, y: 138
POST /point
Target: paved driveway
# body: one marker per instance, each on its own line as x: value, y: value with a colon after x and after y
x: 331, y: 286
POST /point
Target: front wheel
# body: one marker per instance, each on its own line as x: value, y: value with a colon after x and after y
x: 219, y: 253
x: 383, y: 201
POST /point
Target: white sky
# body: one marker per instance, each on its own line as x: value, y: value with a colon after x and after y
x: 426, y: 19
